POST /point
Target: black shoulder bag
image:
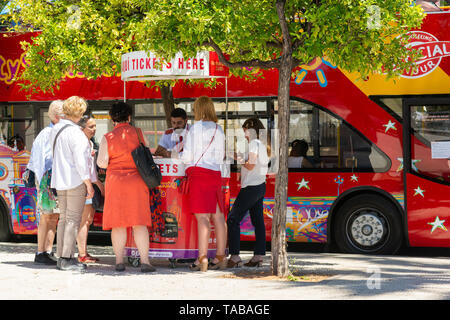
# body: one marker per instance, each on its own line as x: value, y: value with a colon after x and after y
x: 145, y: 164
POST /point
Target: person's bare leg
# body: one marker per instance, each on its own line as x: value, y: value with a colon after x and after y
x: 86, y: 221
x: 52, y: 222
x: 204, y: 230
x: 42, y: 233
x: 142, y: 241
x: 221, y: 233
x: 119, y: 240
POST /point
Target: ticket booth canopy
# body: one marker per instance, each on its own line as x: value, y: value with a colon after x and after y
x: 147, y: 66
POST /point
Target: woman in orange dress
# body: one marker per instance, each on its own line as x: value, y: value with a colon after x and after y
x: 127, y: 200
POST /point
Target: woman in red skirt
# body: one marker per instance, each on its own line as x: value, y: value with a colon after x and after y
x: 203, y: 154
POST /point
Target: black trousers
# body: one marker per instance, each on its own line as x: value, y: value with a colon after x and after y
x: 249, y: 199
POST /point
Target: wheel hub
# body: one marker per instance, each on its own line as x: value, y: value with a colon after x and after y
x: 367, y: 229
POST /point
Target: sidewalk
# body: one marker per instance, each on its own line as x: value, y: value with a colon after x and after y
x: 321, y: 276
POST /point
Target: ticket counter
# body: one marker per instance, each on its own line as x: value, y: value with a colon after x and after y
x: 173, y: 234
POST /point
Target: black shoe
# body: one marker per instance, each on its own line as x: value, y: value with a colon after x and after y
x: 120, y: 267
x: 68, y: 264
x: 44, y: 258
x: 147, y: 268
x: 51, y: 256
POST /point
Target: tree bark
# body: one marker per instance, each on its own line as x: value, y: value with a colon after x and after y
x: 168, y: 102
x: 280, y: 264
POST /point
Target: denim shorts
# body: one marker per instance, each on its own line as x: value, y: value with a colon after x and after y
x: 88, y: 201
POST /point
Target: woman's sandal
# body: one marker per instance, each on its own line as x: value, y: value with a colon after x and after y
x: 220, y: 265
x: 201, y: 266
x: 234, y: 264
x: 253, y: 263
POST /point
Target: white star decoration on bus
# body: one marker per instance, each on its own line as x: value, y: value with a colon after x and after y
x: 354, y: 178
x: 437, y: 224
x: 302, y: 184
x: 419, y: 191
x: 413, y: 164
x: 389, y: 125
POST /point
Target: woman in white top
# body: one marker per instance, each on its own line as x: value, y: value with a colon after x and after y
x: 203, y: 154
x: 70, y: 178
x: 250, y: 197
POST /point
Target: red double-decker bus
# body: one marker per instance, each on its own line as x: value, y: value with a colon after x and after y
x: 378, y: 149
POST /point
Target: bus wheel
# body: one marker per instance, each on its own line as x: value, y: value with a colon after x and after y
x: 368, y: 224
x: 5, y: 234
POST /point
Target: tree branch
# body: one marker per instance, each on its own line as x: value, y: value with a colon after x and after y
x: 242, y: 64
x: 287, y: 42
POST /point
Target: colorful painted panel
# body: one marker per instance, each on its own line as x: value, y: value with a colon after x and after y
x: 24, y: 217
x: 306, y: 219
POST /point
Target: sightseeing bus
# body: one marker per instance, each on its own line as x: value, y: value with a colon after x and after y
x: 379, y: 149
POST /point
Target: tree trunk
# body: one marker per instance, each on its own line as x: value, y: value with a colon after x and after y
x: 280, y: 264
x: 168, y: 102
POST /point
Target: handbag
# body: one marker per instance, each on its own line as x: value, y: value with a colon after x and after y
x: 183, y: 183
x: 146, y: 166
x: 29, y: 179
x: 97, y: 200
x: 46, y: 195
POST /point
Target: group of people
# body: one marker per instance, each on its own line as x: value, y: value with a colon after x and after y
x: 63, y: 159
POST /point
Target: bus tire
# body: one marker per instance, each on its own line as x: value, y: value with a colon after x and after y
x: 368, y: 224
x: 5, y: 232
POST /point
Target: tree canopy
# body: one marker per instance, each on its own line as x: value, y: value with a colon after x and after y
x: 89, y: 36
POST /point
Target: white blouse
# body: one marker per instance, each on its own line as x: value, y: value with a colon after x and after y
x: 257, y: 175
x: 198, y: 142
x: 71, y: 156
x: 91, y: 164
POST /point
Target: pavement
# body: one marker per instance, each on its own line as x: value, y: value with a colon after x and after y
x: 316, y: 276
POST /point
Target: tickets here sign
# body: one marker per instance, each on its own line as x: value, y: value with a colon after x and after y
x: 141, y: 63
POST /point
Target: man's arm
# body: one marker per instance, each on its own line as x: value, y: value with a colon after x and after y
x: 162, y: 152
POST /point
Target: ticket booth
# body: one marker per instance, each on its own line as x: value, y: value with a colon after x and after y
x: 173, y: 234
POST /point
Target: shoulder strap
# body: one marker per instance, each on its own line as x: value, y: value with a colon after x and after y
x: 214, y: 135
x: 57, y: 135
x: 140, y: 135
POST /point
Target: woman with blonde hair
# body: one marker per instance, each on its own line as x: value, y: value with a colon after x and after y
x: 71, y: 179
x: 203, y: 154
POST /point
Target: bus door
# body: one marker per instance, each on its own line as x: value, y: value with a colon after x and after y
x: 426, y: 162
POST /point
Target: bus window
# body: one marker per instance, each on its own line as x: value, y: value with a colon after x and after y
x: 431, y: 125
x: 17, y: 127
x: 149, y: 109
x: 393, y: 105
x: 332, y: 143
x: 341, y: 147
x: 103, y: 123
x: 241, y: 108
x: 153, y: 129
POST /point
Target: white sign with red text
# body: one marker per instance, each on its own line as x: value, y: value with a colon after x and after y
x: 139, y: 63
x: 432, y: 50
